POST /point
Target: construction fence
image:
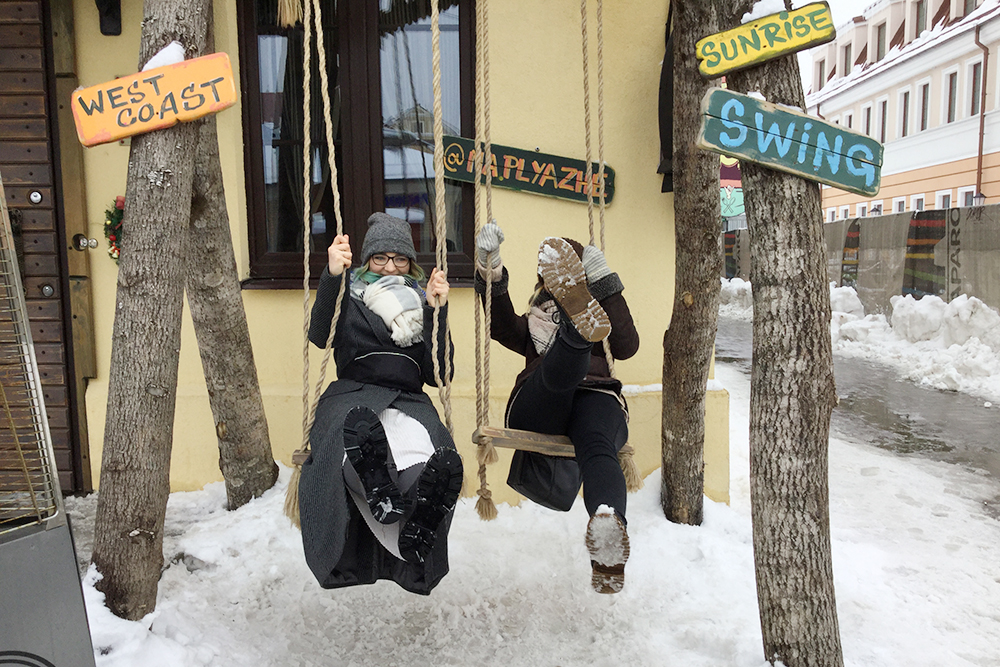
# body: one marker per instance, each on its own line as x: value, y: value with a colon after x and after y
x: 942, y: 252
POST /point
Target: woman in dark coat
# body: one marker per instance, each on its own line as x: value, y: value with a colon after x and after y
x: 376, y: 495
x: 566, y: 386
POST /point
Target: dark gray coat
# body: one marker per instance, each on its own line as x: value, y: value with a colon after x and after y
x: 374, y: 372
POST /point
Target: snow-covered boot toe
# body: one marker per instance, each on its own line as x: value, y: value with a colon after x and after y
x: 607, y: 542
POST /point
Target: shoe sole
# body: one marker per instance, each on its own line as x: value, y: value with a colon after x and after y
x: 565, y: 279
x: 438, y: 487
x: 367, y: 450
x: 607, y: 542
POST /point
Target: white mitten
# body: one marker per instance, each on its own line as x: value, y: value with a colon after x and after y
x: 488, y: 241
x: 595, y: 264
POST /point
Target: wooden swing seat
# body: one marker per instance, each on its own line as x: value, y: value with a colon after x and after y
x: 529, y: 441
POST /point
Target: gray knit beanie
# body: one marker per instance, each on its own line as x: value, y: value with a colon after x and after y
x: 387, y: 234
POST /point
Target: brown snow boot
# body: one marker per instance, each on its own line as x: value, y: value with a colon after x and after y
x: 607, y: 542
x: 562, y: 272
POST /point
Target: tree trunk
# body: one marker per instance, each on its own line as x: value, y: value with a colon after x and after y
x: 688, y: 343
x: 792, y: 396
x: 220, y: 324
x: 135, y: 468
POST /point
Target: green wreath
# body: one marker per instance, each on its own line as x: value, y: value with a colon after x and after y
x: 113, y: 227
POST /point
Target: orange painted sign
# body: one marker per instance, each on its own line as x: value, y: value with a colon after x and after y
x: 153, y: 100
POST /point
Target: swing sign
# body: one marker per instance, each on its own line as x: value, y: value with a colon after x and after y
x: 766, y: 38
x: 743, y: 127
x: 153, y: 100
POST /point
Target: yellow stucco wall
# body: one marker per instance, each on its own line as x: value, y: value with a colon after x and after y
x: 537, y: 101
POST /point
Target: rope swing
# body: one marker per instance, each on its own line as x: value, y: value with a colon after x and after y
x: 488, y: 437
x: 313, y: 21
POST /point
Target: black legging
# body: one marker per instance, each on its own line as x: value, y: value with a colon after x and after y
x: 551, y: 401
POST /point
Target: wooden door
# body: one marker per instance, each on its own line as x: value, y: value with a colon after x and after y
x: 32, y: 176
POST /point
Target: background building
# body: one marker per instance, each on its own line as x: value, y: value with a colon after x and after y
x: 920, y: 77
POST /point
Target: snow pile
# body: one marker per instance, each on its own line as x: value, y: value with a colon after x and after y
x: 952, y: 346
x: 736, y: 299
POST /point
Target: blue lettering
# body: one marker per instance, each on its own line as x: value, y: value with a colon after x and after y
x: 861, y: 168
x: 741, y: 136
x: 773, y: 133
x: 833, y: 156
x: 801, y: 157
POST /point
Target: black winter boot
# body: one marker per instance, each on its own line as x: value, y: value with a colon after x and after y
x: 367, y: 452
x: 436, y: 492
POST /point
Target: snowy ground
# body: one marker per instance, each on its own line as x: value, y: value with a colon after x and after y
x: 915, y: 563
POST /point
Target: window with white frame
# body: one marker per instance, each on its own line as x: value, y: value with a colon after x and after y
x: 845, y: 212
x: 903, y: 114
x: 966, y: 196
x: 880, y: 41
x: 898, y: 204
x: 917, y: 202
x: 942, y: 199
x: 923, y: 104
x: 921, y: 17
x: 866, y: 119
x: 849, y: 119
x: 820, y: 74
x: 949, y: 100
x: 831, y: 214
x: 968, y: 6
x: 862, y: 210
x: 847, y: 63
x: 835, y: 120
x: 875, y: 207
x: 883, y: 118
x: 974, y: 79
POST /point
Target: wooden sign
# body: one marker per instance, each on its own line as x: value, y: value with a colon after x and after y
x: 153, y: 100
x: 528, y: 171
x: 777, y: 137
x: 766, y: 38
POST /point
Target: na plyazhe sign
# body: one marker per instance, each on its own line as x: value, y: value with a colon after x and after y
x: 769, y: 37
x: 753, y: 130
x: 528, y: 171
x: 154, y: 99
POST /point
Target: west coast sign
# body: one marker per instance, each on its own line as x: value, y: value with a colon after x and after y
x: 154, y: 99
x: 527, y: 171
x: 777, y: 137
x: 766, y: 38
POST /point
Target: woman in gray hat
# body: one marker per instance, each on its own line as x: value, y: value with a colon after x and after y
x: 378, y: 491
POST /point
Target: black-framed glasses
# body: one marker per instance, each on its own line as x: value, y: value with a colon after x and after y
x: 401, y: 261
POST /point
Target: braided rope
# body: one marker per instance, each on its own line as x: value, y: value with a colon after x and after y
x: 306, y: 213
x: 485, y: 452
x: 440, y: 225
x: 586, y: 116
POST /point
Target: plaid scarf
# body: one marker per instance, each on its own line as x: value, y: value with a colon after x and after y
x: 398, y: 301
x: 543, y: 322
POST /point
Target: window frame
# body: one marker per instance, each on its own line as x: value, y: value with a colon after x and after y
x: 924, y: 104
x: 939, y: 202
x: 881, y: 40
x: 920, y: 18
x: 973, y: 98
x: 361, y: 122
x: 867, y: 116
x: 846, y: 55
x: 882, y: 118
x: 918, y: 202
x: 960, y: 198
x: 896, y: 201
x: 950, y: 108
x: 845, y: 212
x: 849, y: 120
x: 862, y: 210
x: 904, y: 119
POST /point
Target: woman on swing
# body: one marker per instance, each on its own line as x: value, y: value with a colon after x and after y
x: 566, y: 386
x: 376, y: 495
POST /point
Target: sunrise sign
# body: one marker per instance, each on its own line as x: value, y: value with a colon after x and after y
x: 770, y: 37
x: 154, y: 99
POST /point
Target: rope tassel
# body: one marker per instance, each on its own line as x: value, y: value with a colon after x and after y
x: 292, y: 498
x: 633, y: 480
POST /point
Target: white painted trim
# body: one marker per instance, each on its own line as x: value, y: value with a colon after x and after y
x: 896, y: 201
x: 967, y: 88
x: 881, y: 111
x: 900, y: 107
x: 849, y: 118
x: 831, y: 214
x: 918, y: 104
x: 960, y: 197
x: 918, y: 202
x: 871, y: 119
x: 941, y: 144
x: 945, y: 88
x: 862, y: 210
x: 875, y: 206
x: 845, y: 212
x: 939, y: 199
